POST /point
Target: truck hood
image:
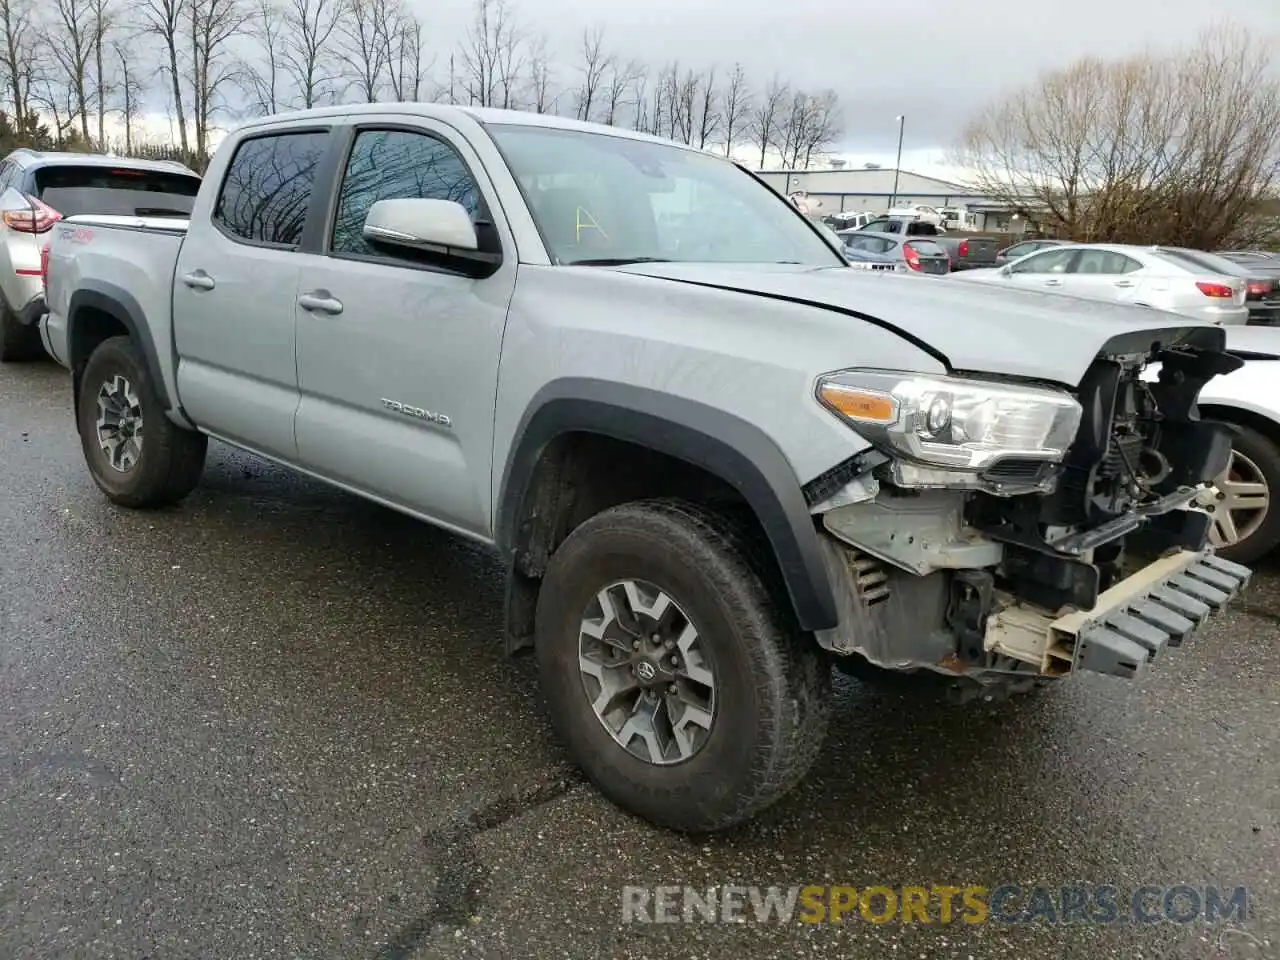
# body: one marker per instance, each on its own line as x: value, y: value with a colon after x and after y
x: 975, y: 328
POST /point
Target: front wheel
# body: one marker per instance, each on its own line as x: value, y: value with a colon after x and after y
x: 670, y: 673
x: 136, y: 455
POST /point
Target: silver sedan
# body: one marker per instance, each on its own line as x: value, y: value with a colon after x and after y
x: 1144, y: 276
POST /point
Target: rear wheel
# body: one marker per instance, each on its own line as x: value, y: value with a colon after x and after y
x: 135, y: 453
x: 676, y: 683
x: 1246, y: 522
x: 18, y: 341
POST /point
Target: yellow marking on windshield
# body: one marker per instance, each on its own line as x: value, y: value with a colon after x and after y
x: 590, y: 223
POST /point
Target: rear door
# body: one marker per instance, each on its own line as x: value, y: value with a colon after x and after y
x: 1104, y: 275
x: 235, y: 287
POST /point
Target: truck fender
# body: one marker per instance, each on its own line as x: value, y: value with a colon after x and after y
x: 119, y: 304
x: 732, y: 449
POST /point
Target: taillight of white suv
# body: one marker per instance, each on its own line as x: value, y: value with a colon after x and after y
x: 37, y: 218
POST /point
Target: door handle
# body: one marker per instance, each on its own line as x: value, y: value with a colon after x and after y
x: 1124, y: 283
x: 1053, y: 283
x: 320, y: 301
x: 198, y: 280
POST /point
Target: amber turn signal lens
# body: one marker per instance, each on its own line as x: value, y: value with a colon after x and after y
x: 868, y: 406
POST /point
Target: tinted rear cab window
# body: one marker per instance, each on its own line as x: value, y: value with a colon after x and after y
x: 115, y: 191
x: 267, y: 189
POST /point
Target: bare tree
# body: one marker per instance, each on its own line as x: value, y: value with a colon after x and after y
x: 766, y: 117
x: 708, y: 109
x: 737, y: 105
x: 402, y: 37
x: 540, y: 78
x: 308, y: 27
x: 640, y: 101
x: 363, y: 46
x: 491, y: 55
x: 213, y: 24
x: 103, y: 14
x: 262, y: 78
x: 1181, y: 148
x: 682, y: 104
x: 820, y: 129
x: 596, y: 63
x: 130, y: 89
x: 72, y: 52
x: 18, y: 56
x: 622, y: 80
x: 164, y: 19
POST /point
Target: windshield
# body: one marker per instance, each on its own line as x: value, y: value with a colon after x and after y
x: 74, y: 190
x: 598, y: 198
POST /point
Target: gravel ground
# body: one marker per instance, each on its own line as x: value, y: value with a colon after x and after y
x: 277, y: 722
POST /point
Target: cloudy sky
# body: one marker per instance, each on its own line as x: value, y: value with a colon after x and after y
x: 934, y: 61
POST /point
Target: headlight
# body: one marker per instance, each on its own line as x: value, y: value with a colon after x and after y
x: 965, y: 425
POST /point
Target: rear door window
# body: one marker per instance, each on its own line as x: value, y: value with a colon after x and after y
x: 268, y: 187
x: 1105, y: 262
x: 75, y: 189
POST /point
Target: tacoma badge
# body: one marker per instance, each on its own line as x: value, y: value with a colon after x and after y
x: 437, y: 418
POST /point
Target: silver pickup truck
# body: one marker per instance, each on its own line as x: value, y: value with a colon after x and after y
x: 716, y: 460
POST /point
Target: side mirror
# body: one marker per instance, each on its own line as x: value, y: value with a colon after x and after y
x: 430, y: 225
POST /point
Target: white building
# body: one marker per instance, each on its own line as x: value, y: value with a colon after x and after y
x: 871, y: 190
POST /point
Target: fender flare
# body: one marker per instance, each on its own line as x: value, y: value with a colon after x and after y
x: 732, y: 449
x: 119, y: 304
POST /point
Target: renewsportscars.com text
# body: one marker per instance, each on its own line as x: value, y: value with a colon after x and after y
x: 942, y: 904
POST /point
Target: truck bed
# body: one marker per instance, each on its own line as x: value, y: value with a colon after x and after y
x: 130, y: 256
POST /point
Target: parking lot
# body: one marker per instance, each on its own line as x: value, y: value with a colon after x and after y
x: 277, y: 721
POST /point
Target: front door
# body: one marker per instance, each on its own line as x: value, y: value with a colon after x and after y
x: 397, y: 352
x: 234, y: 293
x: 1042, y: 271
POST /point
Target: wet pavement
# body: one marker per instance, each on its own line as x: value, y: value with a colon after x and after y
x: 276, y: 721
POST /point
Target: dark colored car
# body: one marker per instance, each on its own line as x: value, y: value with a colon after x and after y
x: 1023, y: 248
x: 1262, y: 281
x: 919, y: 254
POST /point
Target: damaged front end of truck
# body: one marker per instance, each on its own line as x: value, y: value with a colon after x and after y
x: 1001, y: 534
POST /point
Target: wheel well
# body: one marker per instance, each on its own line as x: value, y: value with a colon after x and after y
x: 1245, y: 418
x: 92, y: 326
x: 580, y: 474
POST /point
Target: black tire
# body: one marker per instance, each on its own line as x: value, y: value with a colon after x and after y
x: 18, y: 341
x: 773, y: 687
x: 1266, y: 457
x: 171, y: 458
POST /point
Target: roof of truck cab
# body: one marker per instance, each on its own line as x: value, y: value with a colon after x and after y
x: 58, y: 158
x: 446, y: 112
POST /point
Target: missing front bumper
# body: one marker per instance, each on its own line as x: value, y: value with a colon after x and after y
x: 1132, y: 622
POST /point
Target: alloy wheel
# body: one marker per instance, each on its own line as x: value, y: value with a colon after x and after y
x: 644, y: 670
x: 1238, y: 502
x: 119, y: 423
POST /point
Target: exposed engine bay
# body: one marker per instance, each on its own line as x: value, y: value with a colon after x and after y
x: 984, y: 584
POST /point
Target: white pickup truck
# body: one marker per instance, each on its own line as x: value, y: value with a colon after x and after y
x: 715, y: 459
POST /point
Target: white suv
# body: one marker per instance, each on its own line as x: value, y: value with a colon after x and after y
x: 38, y: 189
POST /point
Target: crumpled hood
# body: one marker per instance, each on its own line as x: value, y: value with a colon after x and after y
x: 969, y: 327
